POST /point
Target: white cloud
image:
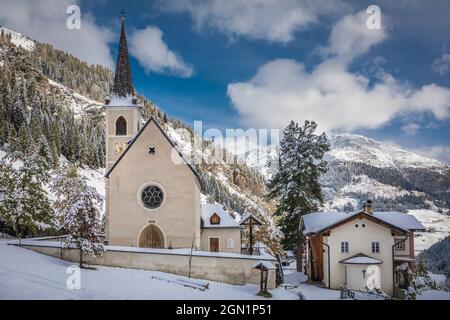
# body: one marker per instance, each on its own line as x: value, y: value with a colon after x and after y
x: 45, y: 21
x: 154, y: 55
x: 283, y: 90
x: 411, y: 129
x: 442, y: 64
x: 275, y: 21
x: 351, y: 38
x: 441, y: 153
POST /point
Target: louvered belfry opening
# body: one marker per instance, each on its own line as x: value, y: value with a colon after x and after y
x: 121, y: 126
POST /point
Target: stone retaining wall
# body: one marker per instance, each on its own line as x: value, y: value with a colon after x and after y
x: 236, y: 269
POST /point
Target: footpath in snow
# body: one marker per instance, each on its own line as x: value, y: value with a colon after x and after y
x: 25, y: 274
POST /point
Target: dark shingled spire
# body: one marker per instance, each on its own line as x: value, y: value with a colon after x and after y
x: 123, y: 84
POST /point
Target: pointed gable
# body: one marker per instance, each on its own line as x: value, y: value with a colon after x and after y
x: 137, y: 137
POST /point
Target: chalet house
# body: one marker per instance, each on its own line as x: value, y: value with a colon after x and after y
x: 358, y: 249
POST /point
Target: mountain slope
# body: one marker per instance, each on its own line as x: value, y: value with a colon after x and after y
x: 362, y: 168
x: 47, y: 88
x: 437, y: 257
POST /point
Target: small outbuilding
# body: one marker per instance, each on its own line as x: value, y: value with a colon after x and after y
x: 219, y: 231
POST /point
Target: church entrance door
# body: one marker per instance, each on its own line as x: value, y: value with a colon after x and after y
x: 151, y: 237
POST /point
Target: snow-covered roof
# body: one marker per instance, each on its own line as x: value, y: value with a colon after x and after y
x: 116, y: 101
x: 264, y: 265
x: 319, y: 221
x: 226, y: 221
x: 248, y: 216
x: 361, y: 258
x: 402, y: 220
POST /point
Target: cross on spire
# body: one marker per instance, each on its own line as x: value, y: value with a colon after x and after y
x: 122, y: 14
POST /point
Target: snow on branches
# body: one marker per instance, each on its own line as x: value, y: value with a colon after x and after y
x: 78, y: 208
x: 24, y: 200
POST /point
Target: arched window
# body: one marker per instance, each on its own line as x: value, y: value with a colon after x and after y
x: 121, y: 126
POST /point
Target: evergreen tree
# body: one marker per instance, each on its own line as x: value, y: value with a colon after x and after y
x: 78, y: 208
x: 24, y: 200
x: 24, y: 140
x: 447, y: 277
x: 421, y: 270
x: 296, y: 185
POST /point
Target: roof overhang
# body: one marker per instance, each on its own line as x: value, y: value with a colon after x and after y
x: 361, y: 259
x: 359, y: 215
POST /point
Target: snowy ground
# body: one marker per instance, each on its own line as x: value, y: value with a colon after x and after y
x: 314, y: 292
x: 25, y: 274
x: 434, y: 295
x: 437, y: 223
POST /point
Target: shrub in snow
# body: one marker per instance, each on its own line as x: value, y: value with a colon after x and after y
x: 77, y: 206
x: 422, y: 279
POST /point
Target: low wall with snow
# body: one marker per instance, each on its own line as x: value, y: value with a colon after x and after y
x: 229, y: 268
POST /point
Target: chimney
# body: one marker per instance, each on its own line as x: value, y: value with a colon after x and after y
x: 367, y: 207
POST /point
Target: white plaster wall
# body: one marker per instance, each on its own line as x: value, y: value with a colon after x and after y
x: 360, y: 241
x: 223, y: 234
x: 179, y: 215
x: 232, y: 270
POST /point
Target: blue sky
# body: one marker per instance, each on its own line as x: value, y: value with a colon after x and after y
x: 233, y: 65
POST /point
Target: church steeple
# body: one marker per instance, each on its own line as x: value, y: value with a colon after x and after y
x: 123, y: 83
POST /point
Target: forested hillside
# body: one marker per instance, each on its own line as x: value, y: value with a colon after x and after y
x: 437, y: 257
x: 47, y: 94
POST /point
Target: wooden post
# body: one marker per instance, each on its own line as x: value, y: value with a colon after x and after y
x: 241, y: 240
x: 250, y: 249
x: 190, y: 257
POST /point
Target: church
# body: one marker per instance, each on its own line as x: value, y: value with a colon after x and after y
x: 153, y: 200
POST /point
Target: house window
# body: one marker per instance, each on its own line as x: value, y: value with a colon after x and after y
x: 152, y: 196
x: 375, y: 247
x: 121, y: 126
x: 344, y: 247
x: 400, y: 246
x: 215, y: 219
x: 230, y: 244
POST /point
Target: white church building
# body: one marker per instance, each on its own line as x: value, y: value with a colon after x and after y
x: 152, y: 192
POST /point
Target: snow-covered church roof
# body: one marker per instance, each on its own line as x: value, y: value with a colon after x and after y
x: 226, y: 221
x: 321, y: 221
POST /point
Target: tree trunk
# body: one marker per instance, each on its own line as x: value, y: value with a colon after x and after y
x: 18, y: 232
x: 81, y: 258
x: 300, y: 253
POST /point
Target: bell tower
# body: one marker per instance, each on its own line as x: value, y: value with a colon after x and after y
x: 122, y: 110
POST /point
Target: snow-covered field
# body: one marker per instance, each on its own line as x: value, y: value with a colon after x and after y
x: 25, y: 274
x: 438, y: 225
